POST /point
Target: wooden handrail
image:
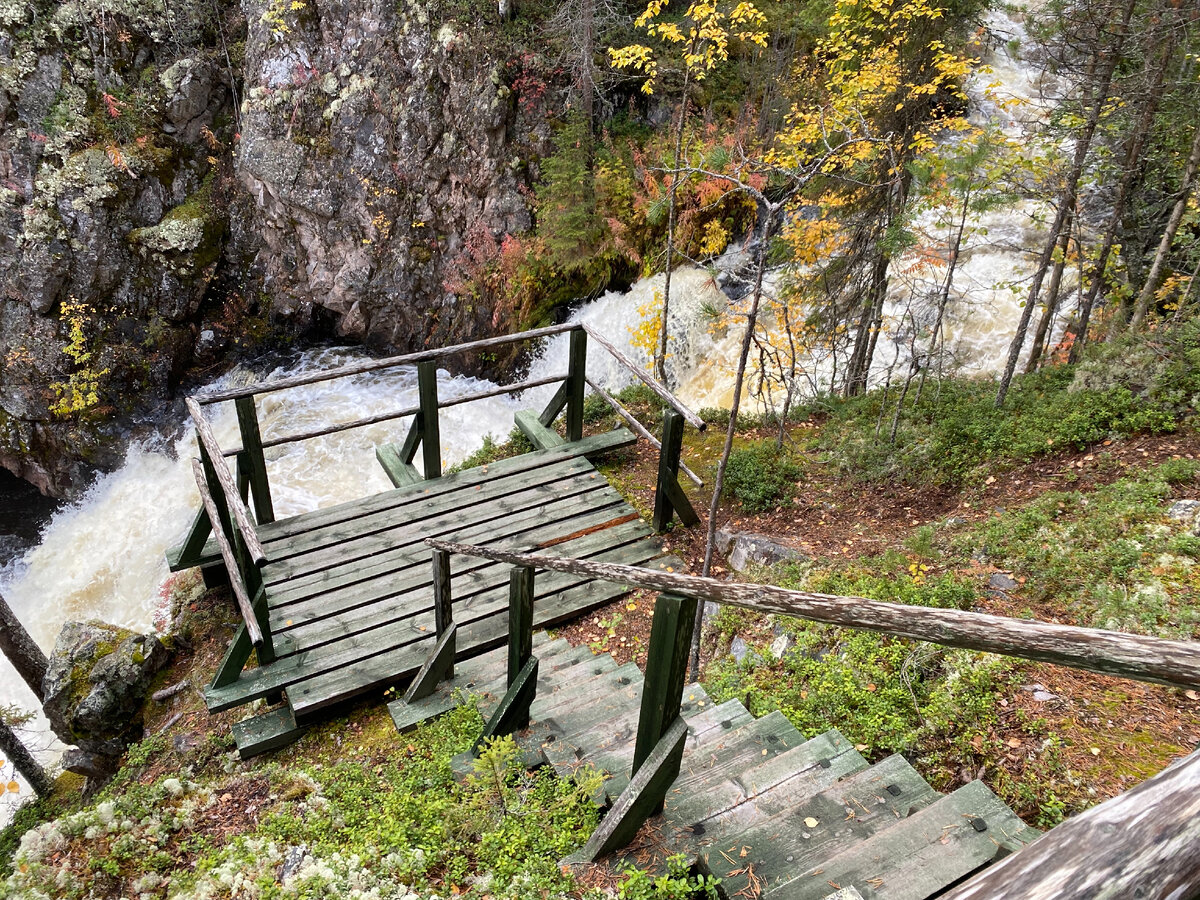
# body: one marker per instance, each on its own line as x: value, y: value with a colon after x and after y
x: 663, y: 394
x: 1175, y: 663
x: 641, y: 429
x: 235, y: 575
x: 233, y: 499
x: 374, y: 365
x: 503, y: 389
x: 1144, y: 843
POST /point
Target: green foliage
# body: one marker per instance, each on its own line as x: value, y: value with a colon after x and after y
x: 79, y: 392
x: 1108, y: 555
x: 677, y: 884
x: 761, y: 476
x: 883, y: 692
x: 514, y: 445
x: 955, y: 434
x: 568, y: 223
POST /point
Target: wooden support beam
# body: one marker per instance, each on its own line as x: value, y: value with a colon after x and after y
x: 252, y: 459
x: 554, y: 407
x: 1176, y: 663
x: 438, y: 666
x: 669, y: 498
x: 399, y: 472
x: 1144, y: 843
x: 539, y: 435
x: 235, y: 658
x: 520, y: 622
x: 513, y: 712
x: 431, y: 436
x: 642, y: 799
x: 443, y: 610
x: 666, y: 672
x: 575, y: 383
x: 191, y: 551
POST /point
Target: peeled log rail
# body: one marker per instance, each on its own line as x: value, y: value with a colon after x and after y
x: 1144, y: 843
x: 639, y: 428
x: 233, y: 498
x: 376, y: 364
x: 662, y: 392
x: 1175, y: 663
x: 235, y: 579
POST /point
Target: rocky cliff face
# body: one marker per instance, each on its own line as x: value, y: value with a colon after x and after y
x: 168, y: 169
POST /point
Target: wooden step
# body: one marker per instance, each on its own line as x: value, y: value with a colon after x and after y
x: 919, y: 856
x: 817, y: 827
x: 725, y: 755
x: 266, y: 731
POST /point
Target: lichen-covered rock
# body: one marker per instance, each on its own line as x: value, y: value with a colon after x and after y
x: 744, y: 549
x: 96, y: 683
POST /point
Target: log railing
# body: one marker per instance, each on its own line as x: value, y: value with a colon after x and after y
x: 1175, y: 663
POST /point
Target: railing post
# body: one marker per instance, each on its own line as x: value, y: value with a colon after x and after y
x: 443, y: 612
x: 666, y: 669
x: 576, y: 379
x: 512, y: 714
x: 431, y: 439
x: 255, y: 462
x: 439, y: 664
x: 669, y: 498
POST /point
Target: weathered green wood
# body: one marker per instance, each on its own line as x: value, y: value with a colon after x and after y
x: 218, y: 496
x: 443, y: 609
x: 404, y: 568
x: 489, y: 477
x: 191, y: 552
x: 412, y: 441
x: 555, y: 406
x: 438, y: 667
x: 381, y: 530
x: 539, y: 435
x: 513, y: 712
x: 923, y: 854
x: 313, y: 694
x: 669, y: 498
x: 575, y: 383
x: 666, y: 671
x: 431, y: 438
x: 266, y: 651
x: 267, y: 731
x: 520, y: 624
x: 235, y: 658
x: 642, y: 798
x: 399, y: 472
x: 315, y: 679
x: 241, y: 475
x: 391, y: 618
x: 255, y: 463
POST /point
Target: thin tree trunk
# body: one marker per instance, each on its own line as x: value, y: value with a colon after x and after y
x: 731, y: 429
x: 1133, y: 152
x: 1053, y: 296
x: 1164, y: 246
x: 660, y: 356
x: 1187, y: 295
x: 25, y: 655
x: 1066, y: 202
x: 23, y: 761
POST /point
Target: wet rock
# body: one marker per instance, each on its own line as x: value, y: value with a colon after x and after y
x: 744, y: 548
x: 1002, y: 581
x: 96, y: 683
x: 95, y: 766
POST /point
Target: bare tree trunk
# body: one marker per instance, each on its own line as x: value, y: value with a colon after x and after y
x: 760, y: 265
x: 1133, y: 152
x: 1066, y: 202
x: 1164, y: 246
x: 23, y: 761
x: 25, y: 655
x: 660, y: 356
x: 1053, y: 296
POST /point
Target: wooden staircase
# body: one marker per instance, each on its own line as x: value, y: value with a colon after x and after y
x: 772, y: 814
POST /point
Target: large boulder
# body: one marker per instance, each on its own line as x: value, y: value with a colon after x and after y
x: 96, y: 683
x: 743, y: 549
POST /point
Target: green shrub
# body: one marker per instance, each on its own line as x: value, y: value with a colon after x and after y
x: 761, y: 476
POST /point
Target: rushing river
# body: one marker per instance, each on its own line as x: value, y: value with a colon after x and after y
x: 102, y: 556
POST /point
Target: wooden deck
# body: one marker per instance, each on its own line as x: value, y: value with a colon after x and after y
x: 349, y: 588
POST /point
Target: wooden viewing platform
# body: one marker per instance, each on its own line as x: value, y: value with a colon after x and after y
x: 339, y: 602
